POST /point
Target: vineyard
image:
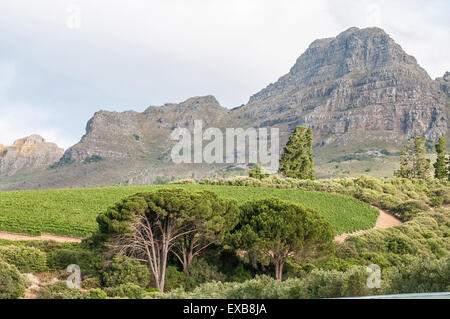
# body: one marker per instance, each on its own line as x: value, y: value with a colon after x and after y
x: 73, y: 212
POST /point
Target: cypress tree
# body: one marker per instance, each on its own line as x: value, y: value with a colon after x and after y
x: 440, y: 167
x: 297, y: 160
x: 404, y: 171
x: 421, y: 165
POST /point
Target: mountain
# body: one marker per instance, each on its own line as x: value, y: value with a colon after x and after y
x: 131, y: 134
x: 444, y: 83
x: 31, y: 152
x: 359, y: 92
x: 360, y: 84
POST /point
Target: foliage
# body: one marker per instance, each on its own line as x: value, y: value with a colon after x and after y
x: 201, y: 272
x: 174, y: 278
x: 59, y: 290
x: 26, y: 259
x: 409, y: 209
x: 93, y: 159
x: 128, y: 290
x: 440, y: 166
x: 297, y: 159
x: 280, y: 229
x: 123, y: 270
x: 97, y: 293
x: 89, y: 261
x: 147, y: 226
x: 11, y: 282
x: 208, y: 223
x: 424, y: 237
x: 436, y: 201
x: 319, y: 284
x: 257, y: 173
x: 422, y: 276
x: 413, y: 161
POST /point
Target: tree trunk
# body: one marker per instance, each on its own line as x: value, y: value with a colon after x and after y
x: 279, y: 269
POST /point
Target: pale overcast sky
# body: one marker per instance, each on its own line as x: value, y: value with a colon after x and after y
x: 135, y: 53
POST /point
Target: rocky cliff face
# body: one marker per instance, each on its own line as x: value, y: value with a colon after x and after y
x: 444, y: 83
x: 147, y: 134
x: 360, y: 84
x: 29, y: 152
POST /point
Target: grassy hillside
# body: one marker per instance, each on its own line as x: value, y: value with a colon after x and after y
x: 73, y: 212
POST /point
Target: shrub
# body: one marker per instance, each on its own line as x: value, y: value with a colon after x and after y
x: 319, y: 284
x: 11, y: 282
x: 26, y: 259
x: 332, y: 284
x: 257, y: 173
x: 129, y: 290
x: 90, y: 283
x: 174, y: 278
x: 407, y: 210
x: 398, y: 245
x: 424, y: 276
x: 59, y: 290
x: 88, y: 261
x: 370, y: 183
x: 201, y: 272
x: 436, y: 201
x: 240, y: 274
x: 97, y: 293
x: 123, y: 270
x: 445, y: 194
x: 339, y: 264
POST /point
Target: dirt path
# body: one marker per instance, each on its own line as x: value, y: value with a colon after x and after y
x: 44, y: 236
x: 384, y: 220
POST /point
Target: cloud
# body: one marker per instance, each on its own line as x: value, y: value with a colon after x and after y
x: 132, y: 54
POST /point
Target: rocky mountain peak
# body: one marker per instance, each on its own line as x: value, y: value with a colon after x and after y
x: 29, y: 152
x: 30, y: 140
x: 352, y: 51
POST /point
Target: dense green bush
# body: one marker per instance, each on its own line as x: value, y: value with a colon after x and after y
x: 240, y: 274
x: 174, y: 278
x: 124, y: 270
x: 333, y: 284
x: 11, y: 282
x: 202, y: 272
x: 89, y: 261
x: 96, y: 293
x: 445, y: 194
x: 436, y: 201
x: 59, y: 290
x: 407, y: 210
x: 318, y: 284
x: 26, y: 259
x: 424, y: 237
x: 129, y: 290
x: 421, y: 276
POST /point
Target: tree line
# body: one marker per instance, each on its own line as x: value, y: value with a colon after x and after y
x: 414, y: 164
x: 150, y: 226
